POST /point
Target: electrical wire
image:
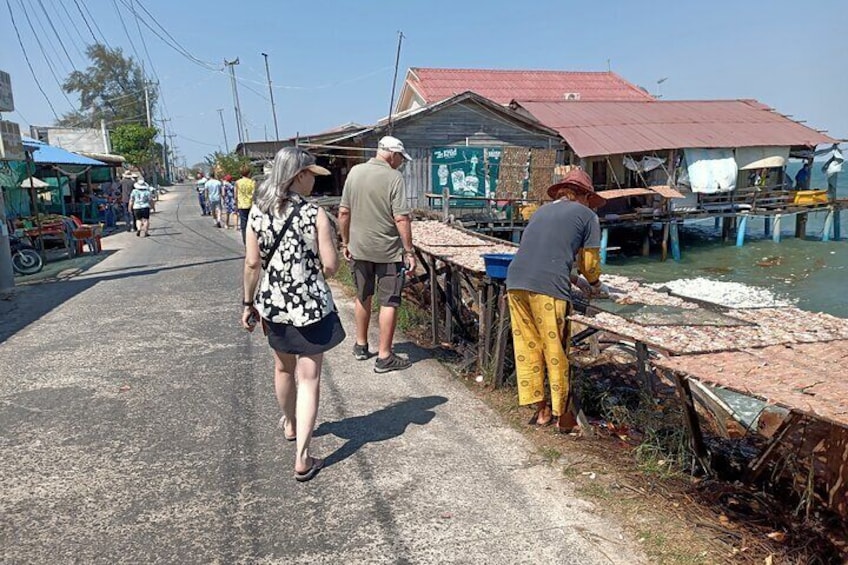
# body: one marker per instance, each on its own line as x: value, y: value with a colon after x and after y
x: 94, y: 21
x: 56, y: 33
x: 29, y: 64
x: 126, y: 31
x: 44, y: 53
x: 85, y: 21
x: 67, y: 30
x: 198, y: 142
x: 173, y: 45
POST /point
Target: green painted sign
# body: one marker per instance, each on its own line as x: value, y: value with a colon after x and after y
x: 470, y: 172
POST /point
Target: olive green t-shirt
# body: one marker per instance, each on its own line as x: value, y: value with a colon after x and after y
x: 375, y: 193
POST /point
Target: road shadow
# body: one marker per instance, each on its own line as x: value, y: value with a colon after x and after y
x: 386, y: 423
x: 416, y: 353
x: 27, y: 303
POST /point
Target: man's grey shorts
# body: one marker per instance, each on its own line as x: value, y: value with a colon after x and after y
x: 388, y: 277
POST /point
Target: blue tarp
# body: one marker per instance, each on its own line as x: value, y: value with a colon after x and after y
x: 44, y: 154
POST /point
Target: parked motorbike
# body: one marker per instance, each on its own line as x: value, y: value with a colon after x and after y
x: 25, y: 257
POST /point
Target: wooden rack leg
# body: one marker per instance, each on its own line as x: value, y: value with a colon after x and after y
x: 685, y: 394
x: 503, y: 335
x: 756, y: 467
x: 449, y: 304
x: 482, y: 327
x: 434, y: 301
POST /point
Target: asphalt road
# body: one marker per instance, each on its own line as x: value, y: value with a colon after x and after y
x: 138, y: 425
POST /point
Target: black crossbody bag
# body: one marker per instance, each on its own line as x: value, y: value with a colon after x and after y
x: 295, y: 210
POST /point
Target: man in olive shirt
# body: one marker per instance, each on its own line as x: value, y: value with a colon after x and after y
x: 377, y: 239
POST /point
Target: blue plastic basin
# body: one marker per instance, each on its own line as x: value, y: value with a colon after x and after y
x: 497, y: 264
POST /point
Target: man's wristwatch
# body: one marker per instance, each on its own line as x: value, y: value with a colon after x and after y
x: 409, y: 252
x: 247, y: 302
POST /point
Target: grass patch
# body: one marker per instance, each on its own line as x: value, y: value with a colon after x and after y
x: 550, y: 454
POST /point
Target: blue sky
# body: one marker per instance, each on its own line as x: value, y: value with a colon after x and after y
x: 332, y: 61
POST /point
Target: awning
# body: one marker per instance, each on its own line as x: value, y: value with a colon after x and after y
x: 44, y: 154
x: 748, y: 158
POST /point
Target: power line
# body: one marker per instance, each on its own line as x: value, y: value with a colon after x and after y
x: 85, y: 21
x: 56, y: 33
x: 29, y: 64
x: 74, y: 25
x: 44, y: 53
x: 126, y: 31
x: 97, y: 27
x: 173, y: 44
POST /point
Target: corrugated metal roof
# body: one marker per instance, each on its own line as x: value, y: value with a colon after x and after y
x: 613, y: 128
x: 503, y: 86
x: 48, y: 155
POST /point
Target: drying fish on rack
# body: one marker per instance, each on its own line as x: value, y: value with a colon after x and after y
x: 455, y: 245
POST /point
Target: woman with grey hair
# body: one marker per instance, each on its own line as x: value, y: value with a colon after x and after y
x: 289, y: 250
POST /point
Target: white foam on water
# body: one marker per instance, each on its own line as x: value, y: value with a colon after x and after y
x: 723, y: 293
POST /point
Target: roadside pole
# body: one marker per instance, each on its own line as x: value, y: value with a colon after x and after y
x: 7, y: 275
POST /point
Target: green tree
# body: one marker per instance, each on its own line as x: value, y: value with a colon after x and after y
x: 111, y: 88
x: 135, y: 142
x: 227, y: 163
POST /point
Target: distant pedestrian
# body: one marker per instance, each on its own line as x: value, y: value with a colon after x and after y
x: 140, y: 199
x: 289, y: 252
x: 245, y: 187
x: 377, y: 238
x: 539, y: 290
x: 228, y: 201
x: 200, y: 186
x: 213, y: 198
x: 127, y: 185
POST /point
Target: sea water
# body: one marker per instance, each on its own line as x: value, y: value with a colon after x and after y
x: 810, y: 273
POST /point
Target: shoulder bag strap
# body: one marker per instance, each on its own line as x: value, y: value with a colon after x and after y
x: 295, y: 210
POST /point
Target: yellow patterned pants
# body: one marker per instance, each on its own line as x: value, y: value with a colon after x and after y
x: 540, y: 340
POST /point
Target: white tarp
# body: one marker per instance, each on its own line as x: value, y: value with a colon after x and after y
x: 711, y: 170
x: 766, y: 157
x: 833, y: 164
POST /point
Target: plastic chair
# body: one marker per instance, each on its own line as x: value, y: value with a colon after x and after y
x: 87, y: 235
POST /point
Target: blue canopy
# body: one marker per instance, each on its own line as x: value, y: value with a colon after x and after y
x: 44, y: 154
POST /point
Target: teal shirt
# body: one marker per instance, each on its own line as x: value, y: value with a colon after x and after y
x: 140, y: 198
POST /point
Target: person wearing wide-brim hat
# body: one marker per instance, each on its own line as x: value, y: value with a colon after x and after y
x: 539, y: 286
x: 140, y: 202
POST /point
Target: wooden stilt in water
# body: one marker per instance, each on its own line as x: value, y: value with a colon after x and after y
x: 801, y: 225
x: 828, y: 225
x: 775, y: 233
x: 740, y: 233
x: 604, y: 243
x: 675, y: 241
x: 718, y: 223
x: 766, y: 226
x: 665, y: 241
x: 726, y: 228
x: 646, y: 242
x: 837, y: 228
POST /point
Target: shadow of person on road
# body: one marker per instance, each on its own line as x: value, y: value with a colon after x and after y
x: 386, y: 423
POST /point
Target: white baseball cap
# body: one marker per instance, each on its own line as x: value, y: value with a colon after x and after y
x: 393, y: 144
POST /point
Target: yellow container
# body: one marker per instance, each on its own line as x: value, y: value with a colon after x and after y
x: 527, y: 210
x: 811, y: 197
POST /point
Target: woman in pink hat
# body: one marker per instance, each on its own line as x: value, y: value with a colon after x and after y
x: 560, y: 234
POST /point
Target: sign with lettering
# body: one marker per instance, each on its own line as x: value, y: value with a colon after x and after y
x: 470, y: 172
x: 7, y: 101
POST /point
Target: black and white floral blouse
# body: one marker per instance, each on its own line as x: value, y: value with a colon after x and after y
x: 292, y: 289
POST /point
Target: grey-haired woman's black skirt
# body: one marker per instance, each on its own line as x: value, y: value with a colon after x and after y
x: 313, y: 339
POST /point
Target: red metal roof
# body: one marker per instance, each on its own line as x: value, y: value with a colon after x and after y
x: 613, y: 128
x: 504, y: 86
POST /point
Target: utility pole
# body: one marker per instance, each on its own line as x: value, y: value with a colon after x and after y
x: 146, y: 95
x: 170, y: 165
x: 271, y: 92
x: 164, y: 147
x: 232, y: 64
x: 223, y: 129
x: 394, y: 81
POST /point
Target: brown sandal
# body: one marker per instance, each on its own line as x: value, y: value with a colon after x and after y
x: 546, y: 409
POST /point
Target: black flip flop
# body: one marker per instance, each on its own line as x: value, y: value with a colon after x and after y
x: 317, y: 465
